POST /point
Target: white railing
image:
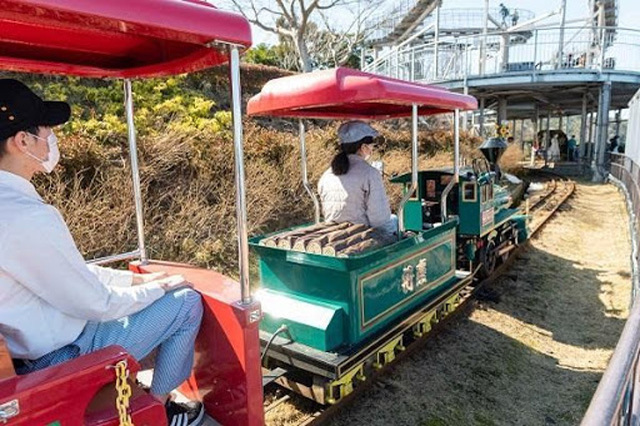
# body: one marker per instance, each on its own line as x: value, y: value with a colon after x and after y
x: 540, y: 49
x: 617, y: 398
x: 384, y: 23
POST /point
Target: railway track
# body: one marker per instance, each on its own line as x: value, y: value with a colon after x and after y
x: 541, y: 208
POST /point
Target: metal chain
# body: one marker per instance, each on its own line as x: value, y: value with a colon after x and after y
x: 123, y: 390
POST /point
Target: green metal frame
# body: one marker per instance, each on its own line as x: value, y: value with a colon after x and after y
x: 332, y: 302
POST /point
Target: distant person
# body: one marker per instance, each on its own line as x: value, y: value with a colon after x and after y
x: 504, y: 12
x: 352, y: 190
x: 572, y: 148
x: 514, y: 18
x: 554, y: 149
x: 613, y: 143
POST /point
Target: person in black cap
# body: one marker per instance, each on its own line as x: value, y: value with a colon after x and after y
x: 25, y: 128
x: 54, y: 307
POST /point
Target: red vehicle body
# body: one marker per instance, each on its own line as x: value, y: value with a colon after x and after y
x: 135, y: 39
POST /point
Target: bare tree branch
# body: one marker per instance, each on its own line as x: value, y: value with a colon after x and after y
x: 316, y: 42
x: 289, y: 17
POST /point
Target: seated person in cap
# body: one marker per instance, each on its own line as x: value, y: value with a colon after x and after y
x: 351, y: 190
x: 53, y: 307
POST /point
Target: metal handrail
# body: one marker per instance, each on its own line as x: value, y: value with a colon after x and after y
x: 616, y: 400
x: 527, y: 50
x: 114, y: 258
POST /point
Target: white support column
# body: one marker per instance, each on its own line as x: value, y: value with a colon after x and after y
x: 583, y: 127
x: 602, y: 132
x: 502, y: 110
x: 560, y: 120
x: 591, y: 138
x: 436, y: 42
x: 483, y: 46
x: 547, y: 138
x: 561, y: 38
x: 536, y: 127
x: 465, y: 114
x: 481, y: 118
x: 603, y: 33
x: 504, y: 51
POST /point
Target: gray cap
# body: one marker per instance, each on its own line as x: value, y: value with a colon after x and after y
x: 354, y: 131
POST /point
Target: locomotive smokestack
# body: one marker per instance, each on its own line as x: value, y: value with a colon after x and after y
x: 492, y: 149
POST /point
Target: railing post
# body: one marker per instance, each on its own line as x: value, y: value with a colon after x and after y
x: 436, y: 43
x: 603, y: 37
x: 483, y: 46
x: 481, y: 118
x: 583, y: 127
x: 535, y: 51
x: 413, y: 64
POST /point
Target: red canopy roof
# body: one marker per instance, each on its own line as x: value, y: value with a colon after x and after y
x: 348, y: 93
x: 115, y: 38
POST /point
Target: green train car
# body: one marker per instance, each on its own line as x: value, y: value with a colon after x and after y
x: 330, y: 321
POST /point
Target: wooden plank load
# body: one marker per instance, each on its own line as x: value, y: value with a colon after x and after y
x: 331, y: 239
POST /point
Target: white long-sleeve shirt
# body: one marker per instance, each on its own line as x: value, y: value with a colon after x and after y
x: 357, y: 196
x: 47, y: 292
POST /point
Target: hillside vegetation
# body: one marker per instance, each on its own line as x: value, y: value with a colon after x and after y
x: 186, y: 159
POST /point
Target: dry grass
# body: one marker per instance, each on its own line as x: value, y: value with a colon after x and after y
x: 533, y: 350
x: 189, y: 192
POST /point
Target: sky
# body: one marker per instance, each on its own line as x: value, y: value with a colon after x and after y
x: 628, y: 14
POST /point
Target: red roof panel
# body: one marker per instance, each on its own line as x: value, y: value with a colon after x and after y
x: 349, y: 93
x: 116, y: 38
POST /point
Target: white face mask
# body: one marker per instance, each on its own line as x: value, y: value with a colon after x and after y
x: 54, y: 153
x: 369, y: 152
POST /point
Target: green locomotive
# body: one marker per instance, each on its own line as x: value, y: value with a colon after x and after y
x: 331, y: 320
x: 489, y: 227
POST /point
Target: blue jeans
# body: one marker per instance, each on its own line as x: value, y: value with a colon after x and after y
x: 170, y: 324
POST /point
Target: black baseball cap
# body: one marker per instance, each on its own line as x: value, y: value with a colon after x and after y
x: 21, y: 109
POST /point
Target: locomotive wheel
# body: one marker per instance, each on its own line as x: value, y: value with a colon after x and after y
x: 514, y: 240
x: 487, y: 256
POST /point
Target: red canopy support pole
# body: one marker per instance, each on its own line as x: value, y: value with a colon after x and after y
x: 135, y: 170
x: 456, y: 166
x: 305, y: 175
x: 227, y: 372
x: 238, y: 144
x: 414, y: 169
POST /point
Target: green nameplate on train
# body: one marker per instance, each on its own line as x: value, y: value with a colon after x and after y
x: 386, y: 290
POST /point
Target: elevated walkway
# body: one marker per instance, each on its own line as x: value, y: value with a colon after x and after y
x: 395, y: 27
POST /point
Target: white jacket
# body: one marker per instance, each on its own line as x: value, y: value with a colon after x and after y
x: 357, y: 196
x: 47, y: 292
